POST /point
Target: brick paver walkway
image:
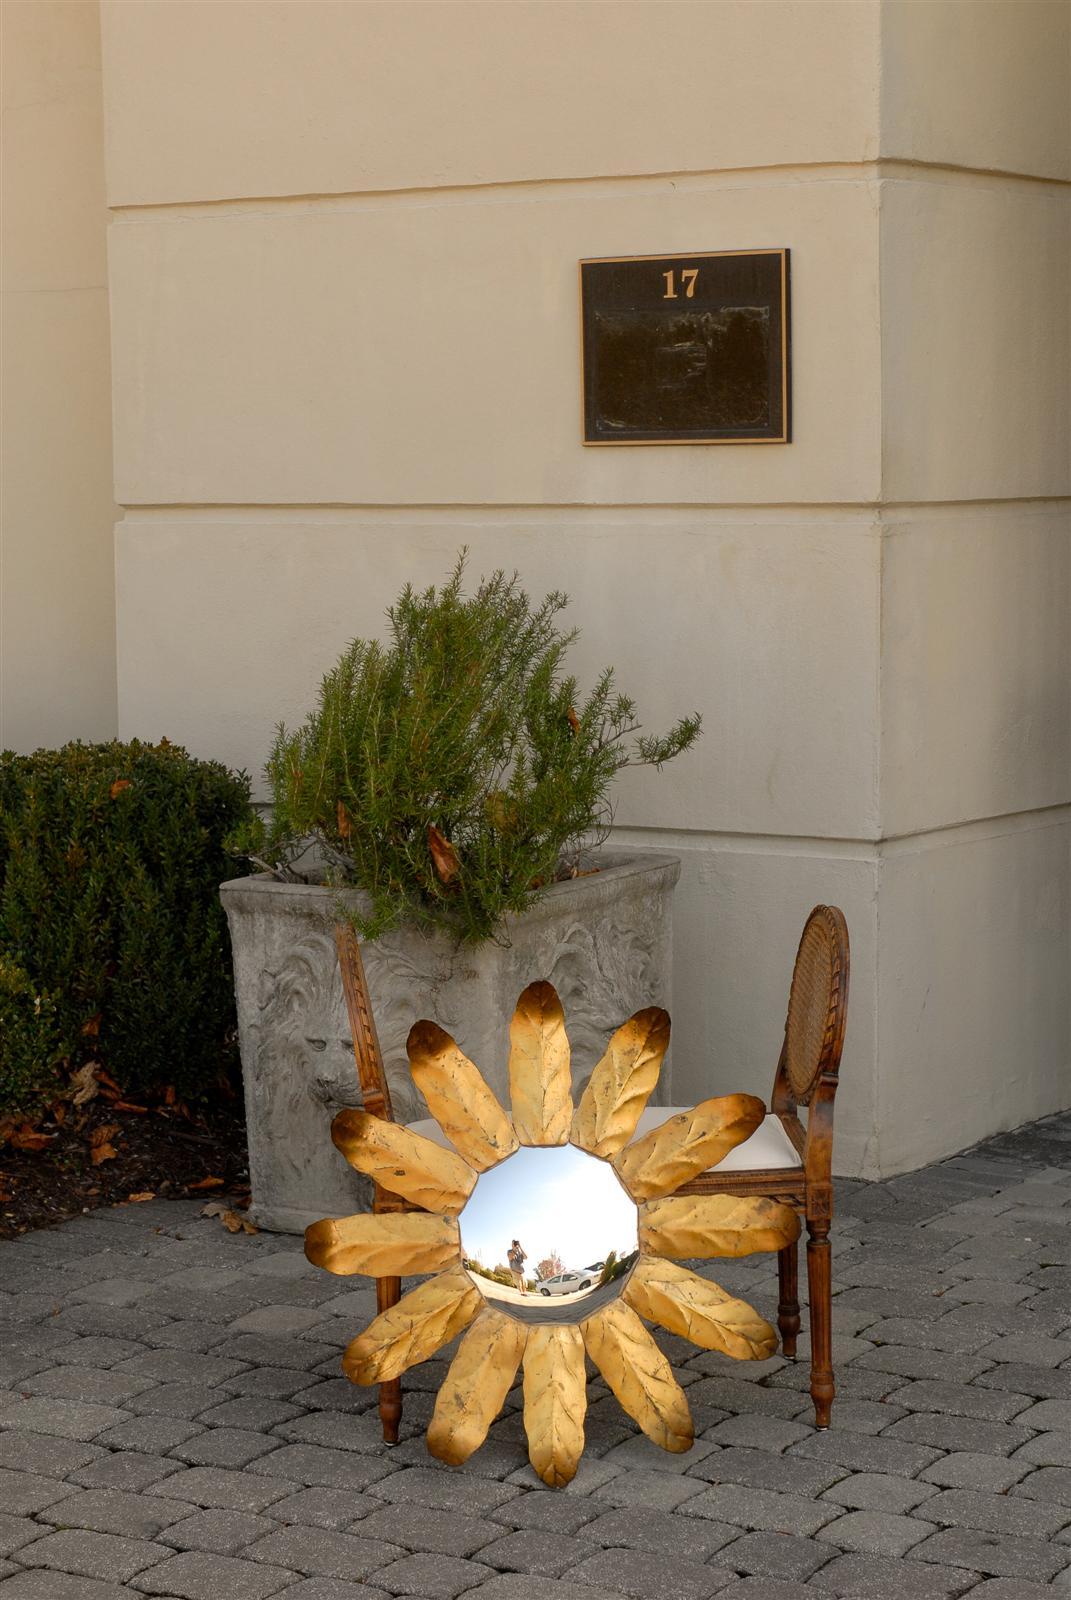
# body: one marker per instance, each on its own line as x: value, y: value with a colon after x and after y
x: 172, y: 1423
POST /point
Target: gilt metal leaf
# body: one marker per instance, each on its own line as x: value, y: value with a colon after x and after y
x: 539, y: 1078
x: 423, y: 1320
x: 475, y: 1387
x: 384, y: 1246
x: 621, y: 1083
x: 555, y: 1401
x: 404, y: 1162
x: 683, y: 1226
x: 639, y: 1375
x: 459, y: 1098
x: 687, y: 1144
x: 696, y: 1309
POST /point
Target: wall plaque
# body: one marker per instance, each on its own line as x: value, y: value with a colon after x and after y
x: 686, y: 349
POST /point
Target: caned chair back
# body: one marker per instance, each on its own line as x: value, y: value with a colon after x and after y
x: 817, y: 1007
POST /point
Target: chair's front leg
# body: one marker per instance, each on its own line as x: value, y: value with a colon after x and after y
x: 388, y: 1293
x: 820, y: 1294
x: 788, y: 1305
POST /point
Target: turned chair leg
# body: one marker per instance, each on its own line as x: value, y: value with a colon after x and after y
x: 788, y: 1305
x: 388, y: 1293
x: 820, y: 1293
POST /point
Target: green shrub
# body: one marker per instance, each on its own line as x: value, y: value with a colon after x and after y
x: 455, y: 771
x: 111, y: 857
x: 31, y: 1044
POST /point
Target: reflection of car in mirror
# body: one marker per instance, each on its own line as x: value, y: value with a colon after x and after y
x: 570, y: 1282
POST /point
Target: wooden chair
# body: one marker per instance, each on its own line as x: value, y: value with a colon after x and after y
x: 782, y: 1159
x: 788, y: 1161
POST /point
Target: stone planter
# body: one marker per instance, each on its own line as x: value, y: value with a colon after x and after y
x: 604, y: 941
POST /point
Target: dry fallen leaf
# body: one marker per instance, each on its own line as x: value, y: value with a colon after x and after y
x: 118, y: 786
x: 169, y: 1095
x: 231, y: 1220
x: 25, y: 1137
x: 342, y: 816
x: 124, y: 1105
x: 141, y: 1196
x: 92, y: 1027
x: 443, y: 854
x: 205, y: 1183
x: 102, y: 1152
x: 574, y: 720
x: 103, y: 1133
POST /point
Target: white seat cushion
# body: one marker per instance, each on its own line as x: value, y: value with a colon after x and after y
x: 769, y: 1146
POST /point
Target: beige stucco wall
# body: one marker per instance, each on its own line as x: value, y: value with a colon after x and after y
x: 57, y: 604
x: 345, y: 343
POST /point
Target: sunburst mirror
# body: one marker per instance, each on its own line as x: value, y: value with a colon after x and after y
x: 599, y: 1225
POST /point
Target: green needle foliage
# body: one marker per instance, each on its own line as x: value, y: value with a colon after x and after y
x: 455, y: 771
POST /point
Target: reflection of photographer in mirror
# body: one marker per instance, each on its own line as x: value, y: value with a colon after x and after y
x: 517, y: 1258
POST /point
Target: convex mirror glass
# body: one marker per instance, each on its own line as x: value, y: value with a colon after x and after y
x: 549, y: 1234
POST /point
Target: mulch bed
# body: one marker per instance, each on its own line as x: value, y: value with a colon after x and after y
x: 164, y: 1152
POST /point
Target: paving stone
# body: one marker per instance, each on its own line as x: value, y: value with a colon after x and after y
x: 323, y: 1508
x: 127, y: 1470
x: 95, y: 1351
x: 997, y: 1555
x: 760, y: 1508
x: 544, y: 1555
x: 223, y: 1532
x: 879, y: 1491
x: 590, y: 1477
x: 782, y: 1556
x: 1054, y: 1414
x: 335, y: 1394
x: 40, y: 1585
x: 867, y: 1416
x: 1042, y: 1383
x: 225, y: 1447
x: 47, y: 1456
x: 969, y: 1470
x: 91, y: 1555
x: 1011, y: 1589
x: 313, y: 1466
x: 659, y: 1533
x: 862, y: 1454
x: 450, y: 1491
x: 639, y: 1451
x: 878, y: 1533
x: 24, y: 1493
x: 278, y: 1383
x: 135, y: 1516
x: 1052, y: 1484
x: 180, y: 1366
x: 765, y: 1589
x: 870, y: 1577
x: 227, y: 1491
x: 909, y: 1361
x: 323, y: 1552
x: 194, y: 1575
x: 522, y: 1586
x: 193, y: 1336
x: 251, y: 1412
x: 657, y: 1491
x: 967, y: 1400
x: 547, y: 1510
x: 85, y: 1383
x: 153, y: 1436
x: 181, y: 1400
x: 988, y: 1291
x: 262, y: 1349
x: 995, y: 1513
x: 418, y: 1527
x: 760, y: 1470
x: 960, y: 1433
x: 738, y: 1397
x: 63, y: 1419
x: 331, y: 1589
x: 1046, y: 1450
x: 278, y: 1320
x: 632, y: 1572
x: 758, y: 1432
x: 17, y: 1531
x: 340, y: 1432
